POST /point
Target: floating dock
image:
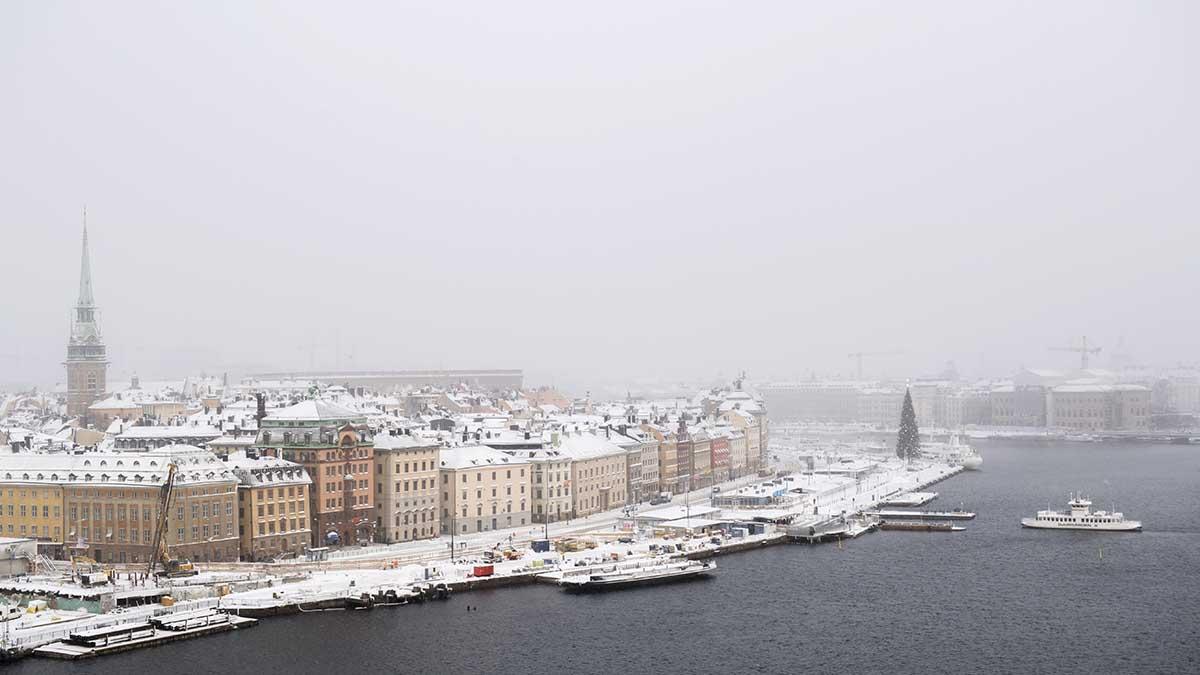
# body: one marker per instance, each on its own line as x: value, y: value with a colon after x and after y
x: 124, y: 637
x: 899, y: 514
x: 910, y: 499
x: 920, y: 526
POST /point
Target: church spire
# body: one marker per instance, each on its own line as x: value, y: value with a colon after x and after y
x: 85, y: 271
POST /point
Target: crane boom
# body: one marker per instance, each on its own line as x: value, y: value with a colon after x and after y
x: 1083, y: 350
x: 158, y: 553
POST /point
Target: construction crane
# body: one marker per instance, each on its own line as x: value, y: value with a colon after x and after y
x: 1083, y: 350
x: 172, y: 567
x: 858, y: 356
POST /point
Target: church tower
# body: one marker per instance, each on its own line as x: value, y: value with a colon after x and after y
x: 86, y: 363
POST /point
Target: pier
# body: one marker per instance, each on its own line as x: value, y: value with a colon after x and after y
x: 124, y: 637
x: 900, y: 514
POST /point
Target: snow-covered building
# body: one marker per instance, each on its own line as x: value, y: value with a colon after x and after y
x: 483, y: 489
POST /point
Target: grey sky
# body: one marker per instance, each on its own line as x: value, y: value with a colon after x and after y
x: 599, y: 192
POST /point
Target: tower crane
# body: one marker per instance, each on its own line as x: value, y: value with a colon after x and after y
x: 160, y: 554
x: 1082, y: 349
x: 858, y: 356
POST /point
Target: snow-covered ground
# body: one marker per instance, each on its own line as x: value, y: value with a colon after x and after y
x: 399, y: 567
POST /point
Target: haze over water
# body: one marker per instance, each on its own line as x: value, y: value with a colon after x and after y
x: 995, y: 598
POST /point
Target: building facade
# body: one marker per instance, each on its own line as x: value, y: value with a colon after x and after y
x: 483, y: 489
x: 335, y: 447
x: 272, y: 507
x: 407, y: 470
x: 109, y: 502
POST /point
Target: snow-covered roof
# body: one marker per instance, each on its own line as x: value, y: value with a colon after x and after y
x: 402, y: 442
x: 149, y: 432
x: 476, y: 457
x: 114, y: 403
x: 587, y: 446
x: 194, y: 466
x: 265, y: 471
x: 313, y: 410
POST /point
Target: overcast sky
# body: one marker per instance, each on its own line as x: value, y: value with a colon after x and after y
x: 597, y: 192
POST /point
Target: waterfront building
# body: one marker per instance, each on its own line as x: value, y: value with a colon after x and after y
x: 550, y: 485
x: 407, y: 469
x: 1099, y: 407
x: 483, y: 489
x: 668, y: 461
x: 109, y: 501
x: 598, y: 472
x: 30, y: 507
x: 87, y: 362
x: 702, y: 467
x: 633, y: 460
x: 335, y: 447
x: 272, y: 506
x: 721, y: 456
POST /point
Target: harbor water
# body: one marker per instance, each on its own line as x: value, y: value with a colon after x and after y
x: 994, y: 598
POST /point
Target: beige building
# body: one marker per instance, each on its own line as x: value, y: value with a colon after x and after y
x: 598, y: 472
x: 1099, y: 407
x: 407, y: 471
x: 272, y: 506
x: 483, y: 489
x: 550, y: 483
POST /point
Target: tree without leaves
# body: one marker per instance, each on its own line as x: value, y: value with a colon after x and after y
x: 908, y: 444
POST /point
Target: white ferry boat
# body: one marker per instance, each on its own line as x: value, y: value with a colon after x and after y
x: 1081, y: 517
x: 956, y: 453
x: 639, y: 576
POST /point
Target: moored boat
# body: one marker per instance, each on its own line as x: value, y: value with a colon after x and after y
x: 639, y: 576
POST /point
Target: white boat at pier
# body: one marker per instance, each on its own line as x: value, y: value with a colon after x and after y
x: 647, y: 575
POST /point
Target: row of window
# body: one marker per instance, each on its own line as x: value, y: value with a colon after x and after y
x: 332, y: 503
x: 33, y: 511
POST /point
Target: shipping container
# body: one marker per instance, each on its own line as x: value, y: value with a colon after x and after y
x: 541, y: 545
x: 484, y: 570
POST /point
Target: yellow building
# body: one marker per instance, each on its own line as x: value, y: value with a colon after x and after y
x: 31, y: 508
x: 272, y: 506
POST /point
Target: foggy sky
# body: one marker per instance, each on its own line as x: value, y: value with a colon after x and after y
x: 597, y: 192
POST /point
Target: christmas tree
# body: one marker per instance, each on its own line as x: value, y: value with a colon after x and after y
x: 908, y: 445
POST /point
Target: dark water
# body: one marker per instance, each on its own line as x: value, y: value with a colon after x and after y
x: 995, y: 598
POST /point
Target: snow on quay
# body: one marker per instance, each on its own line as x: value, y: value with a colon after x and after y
x: 695, y: 528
